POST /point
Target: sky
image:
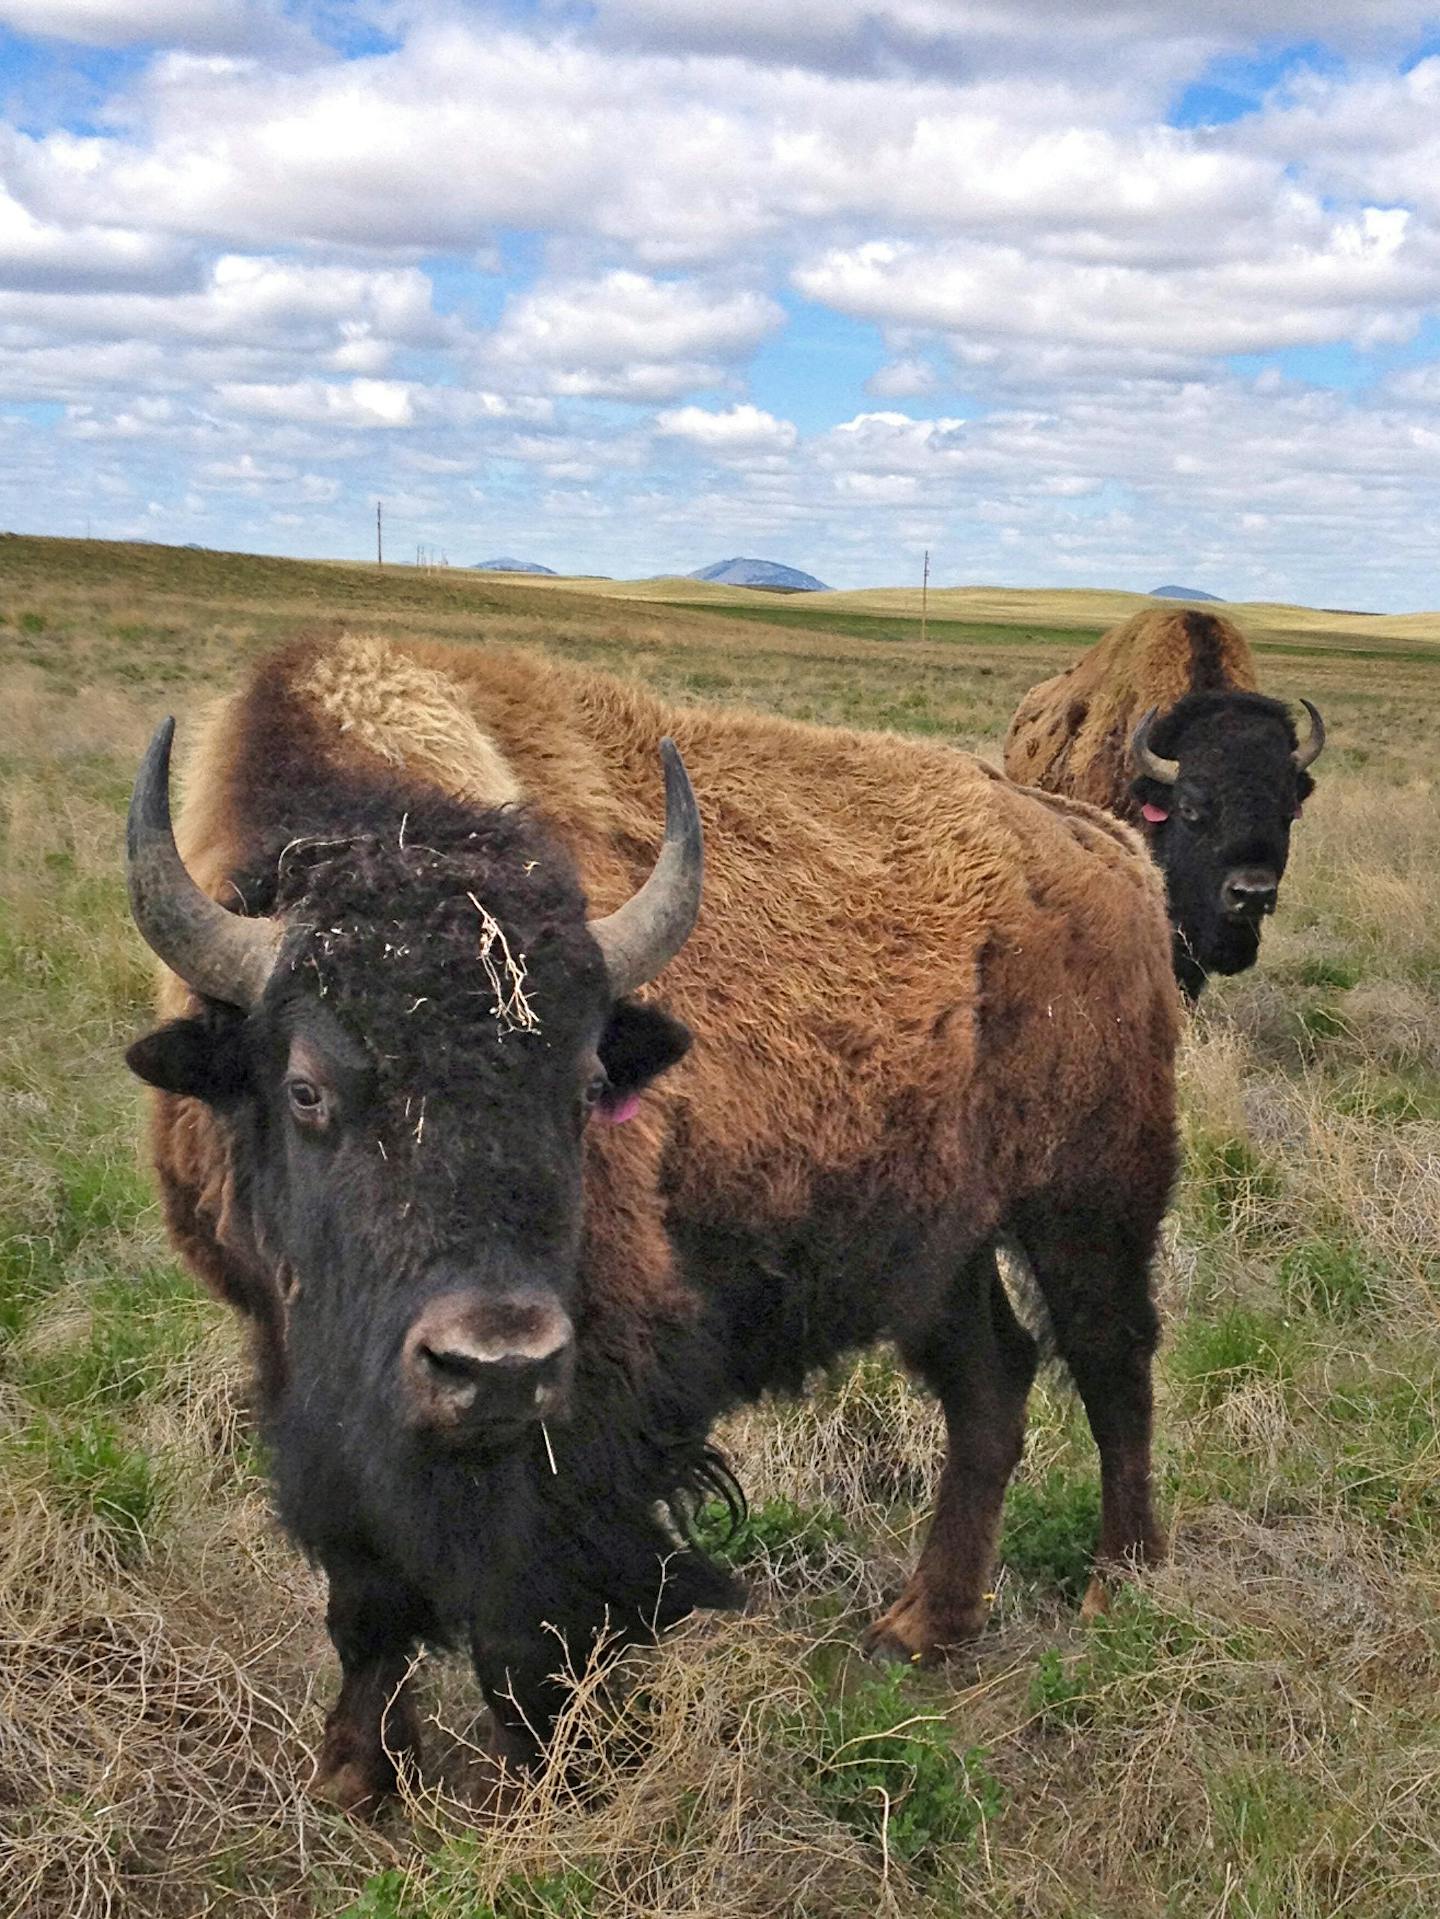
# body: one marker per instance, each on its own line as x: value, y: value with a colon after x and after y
x: 1104, y: 295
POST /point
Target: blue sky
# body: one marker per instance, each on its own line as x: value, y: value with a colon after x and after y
x: 1068, y: 296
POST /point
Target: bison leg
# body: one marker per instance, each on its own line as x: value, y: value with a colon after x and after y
x: 375, y: 1620
x: 524, y: 1697
x: 1094, y: 1272
x: 981, y: 1363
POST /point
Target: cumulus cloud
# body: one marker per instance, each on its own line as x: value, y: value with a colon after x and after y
x: 1366, y: 278
x: 343, y: 403
x: 459, y: 134
x: 211, y: 26
x: 905, y: 379
x: 1141, y: 40
x: 40, y: 256
x: 626, y: 336
x: 740, y: 431
x: 245, y: 301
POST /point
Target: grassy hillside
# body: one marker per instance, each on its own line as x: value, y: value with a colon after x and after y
x: 1079, y: 611
x: 1254, y: 1730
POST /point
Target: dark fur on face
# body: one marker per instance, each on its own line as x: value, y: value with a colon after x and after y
x: 1231, y: 809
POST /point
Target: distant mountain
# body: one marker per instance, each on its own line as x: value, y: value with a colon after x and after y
x: 768, y: 574
x: 512, y: 566
x: 1181, y: 593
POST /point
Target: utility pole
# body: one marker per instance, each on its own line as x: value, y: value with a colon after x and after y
x: 925, y: 596
x: 379, y: 542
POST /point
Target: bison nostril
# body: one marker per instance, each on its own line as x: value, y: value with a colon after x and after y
x: 475, y: 1364
x: 457, y: 1369
x: 1250, y: 894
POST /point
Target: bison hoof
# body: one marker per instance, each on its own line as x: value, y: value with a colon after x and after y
x: 355, y: 1788
x: 910, y: 1635
x: 1096, y: 1602
x: 357, y: 1774
x: 889, y: 1649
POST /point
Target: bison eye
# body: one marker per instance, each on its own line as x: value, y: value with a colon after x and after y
x: 1191, y: 813
x: 307, y: 1102
x: 596, y: 1088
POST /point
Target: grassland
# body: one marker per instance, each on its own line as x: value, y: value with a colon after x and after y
x: 1255, y: 1730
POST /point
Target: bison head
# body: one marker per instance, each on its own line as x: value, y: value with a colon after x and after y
x: 1219, y: 780
x: 405, y: 1046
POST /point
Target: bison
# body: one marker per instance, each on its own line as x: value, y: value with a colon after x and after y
x: 1162, y: 723
x: 493, y: 1325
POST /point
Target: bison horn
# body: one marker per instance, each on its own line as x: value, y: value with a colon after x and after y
x: 640, y: 938
x: 1309, y: 750
x: 1166, y: 771
x: 219, y: 954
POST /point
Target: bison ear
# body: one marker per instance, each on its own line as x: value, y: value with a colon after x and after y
x: 200, y: 1058
x: 639, y: 1043
x: 1152, y: 794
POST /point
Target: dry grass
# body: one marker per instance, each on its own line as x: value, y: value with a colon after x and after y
x: 1254, y: 1732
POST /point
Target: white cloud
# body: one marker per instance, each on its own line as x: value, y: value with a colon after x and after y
x: 212, y: 26
x: 462, y: 132
x: 1371, y: 136
x: 905, y: 379
x: 740, y: 431
x: 891, y: 443
x: 245, y: 301
x: 630, y: 337
x: 1365, y: 278
x: 350, y: 403
x: 1004, y: 36
x: 38, y: 255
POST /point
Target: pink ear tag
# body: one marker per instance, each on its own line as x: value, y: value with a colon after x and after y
x: 1155, y: 814
x: 622, y: 1110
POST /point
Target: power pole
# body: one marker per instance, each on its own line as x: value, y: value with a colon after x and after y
x: 925, y: 596
x: 379, y: 542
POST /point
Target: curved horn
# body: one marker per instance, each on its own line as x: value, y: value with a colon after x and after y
x: 1166, y: 771
x: 1309, y: 750
x: 217, y: 953
x: 640, y: 938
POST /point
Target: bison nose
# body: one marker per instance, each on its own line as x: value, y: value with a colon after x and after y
x: 472, y: 1362
x: 1249, y: 892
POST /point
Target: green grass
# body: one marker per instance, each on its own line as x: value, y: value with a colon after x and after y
x: 1231, y: 1189
x: 1051, y: 1527
x: 815, y: 614
x: 95, y: 1475
x: 1336, y: 1280
x: 775, y: 1532
x: 1211, y: 1358
x: 885, y: 1764
x: 1139, y: 1660
x: 140, y: 1330
x: 445, y: 1891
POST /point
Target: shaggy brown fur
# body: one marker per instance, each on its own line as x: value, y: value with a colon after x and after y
x: 918, y: 994
x: 1071, y: 734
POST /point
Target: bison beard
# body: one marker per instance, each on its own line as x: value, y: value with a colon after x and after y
x: 930, y: 1010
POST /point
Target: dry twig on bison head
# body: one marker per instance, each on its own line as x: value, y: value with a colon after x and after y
x: 512, y: 1008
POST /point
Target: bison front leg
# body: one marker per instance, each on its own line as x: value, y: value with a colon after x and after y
x: 372, y: 1732
x: 981, y: 1362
